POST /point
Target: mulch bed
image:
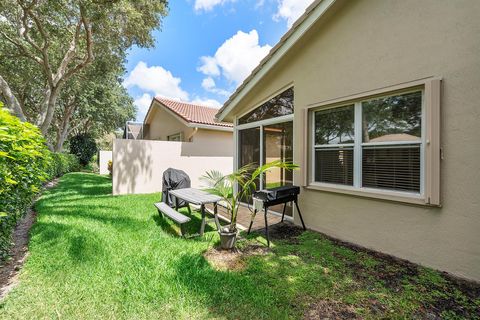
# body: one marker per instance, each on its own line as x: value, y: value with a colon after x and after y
x: 19, y: 252
x: 233, y: 259
x: 330, y: 309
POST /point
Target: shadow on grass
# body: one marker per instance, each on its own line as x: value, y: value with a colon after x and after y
x: 82, y: 184
x: 82, y: 246
x: 191, y: 228
x: 81, y: 211
x: 266, y: 290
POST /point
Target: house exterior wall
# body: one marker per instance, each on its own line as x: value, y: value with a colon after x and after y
x: 138, y: 165
x: 162, y: 124
x: 365, y: 45
x: 214, y: 142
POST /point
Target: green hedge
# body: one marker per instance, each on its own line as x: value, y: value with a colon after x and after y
x: 25, y: 164
x: 62, y: 163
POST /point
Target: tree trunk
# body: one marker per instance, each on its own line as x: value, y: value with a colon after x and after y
x: 62, y: 134
x: 63, y: 129
x: 51, y: 100
x: 12, y: 101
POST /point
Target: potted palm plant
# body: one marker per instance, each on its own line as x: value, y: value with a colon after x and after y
x: 245, y: 179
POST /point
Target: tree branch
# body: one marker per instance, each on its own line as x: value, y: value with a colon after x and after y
x: 22, y: 48
x: 28, y: 12
x: 89, y: 56
x: 70, y: 54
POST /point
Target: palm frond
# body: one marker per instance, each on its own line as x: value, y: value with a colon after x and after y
x: 245, y: 177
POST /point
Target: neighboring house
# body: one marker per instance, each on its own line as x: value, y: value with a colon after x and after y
x: 171, y: 120
x: 378, y: 102
x: 133, y: 130
x: 174, y: 135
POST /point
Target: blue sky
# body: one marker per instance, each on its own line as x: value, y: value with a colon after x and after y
x: 206, y: 48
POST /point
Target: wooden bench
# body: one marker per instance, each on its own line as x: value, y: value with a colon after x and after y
x: 173, y: 214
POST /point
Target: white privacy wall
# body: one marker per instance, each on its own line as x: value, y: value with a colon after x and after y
x: 138, y: 165
x: 103, y: 158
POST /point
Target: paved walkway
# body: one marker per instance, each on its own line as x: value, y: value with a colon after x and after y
x: 244, y: 216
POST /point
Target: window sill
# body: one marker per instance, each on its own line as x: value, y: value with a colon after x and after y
x: 370, y: 193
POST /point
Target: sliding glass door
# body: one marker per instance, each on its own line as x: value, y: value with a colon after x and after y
x: 249, y: 150
x: 264, y: 144
x: 278, y: 145
x: 266, y: 134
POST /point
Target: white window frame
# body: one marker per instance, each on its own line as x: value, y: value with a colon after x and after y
x: 334, y: 146
x: 358, y: 144
x: 175, y: 135
x: 257, y: 124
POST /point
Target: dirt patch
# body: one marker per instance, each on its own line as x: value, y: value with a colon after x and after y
x: 329, y: 309
x: 455, y: 295
x: 232, y: 259
x: 458, y: 297
x: 284, y: 231
x: 51, y: 184
x: 391, y: 272
x: 10, y: 269
x: 19, y: 252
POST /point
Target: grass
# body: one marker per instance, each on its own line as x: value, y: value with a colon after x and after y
x: 93, y: 255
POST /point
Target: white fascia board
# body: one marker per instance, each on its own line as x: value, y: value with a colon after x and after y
x: 209, y: 127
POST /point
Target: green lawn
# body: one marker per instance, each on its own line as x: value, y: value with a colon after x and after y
x: 93, y: 255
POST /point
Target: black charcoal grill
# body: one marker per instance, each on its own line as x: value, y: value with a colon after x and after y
x: 174, y: 179
x: 273, y: 196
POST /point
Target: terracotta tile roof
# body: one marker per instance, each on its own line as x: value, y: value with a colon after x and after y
x: 193, y: 113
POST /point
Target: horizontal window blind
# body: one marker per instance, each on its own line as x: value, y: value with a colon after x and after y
x: 394, y: 167
x: 334, y: 165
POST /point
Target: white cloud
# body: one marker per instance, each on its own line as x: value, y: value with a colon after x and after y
x: 236, y: 57
x: 291, y: 10
x: 212, y: 103
x: 209, y: 66
x: 143, y: 102
x: 208, y: 83
x: 208, y: 5
x: 157, y: 80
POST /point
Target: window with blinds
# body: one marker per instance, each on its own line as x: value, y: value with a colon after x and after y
x: 395, y: 167
x: 334, y: 141
x: 374, y: 143
x: 335, y: 165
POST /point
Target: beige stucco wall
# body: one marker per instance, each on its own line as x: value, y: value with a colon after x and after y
x: 213, y: 142
x: 161, y: 124
x: 369, y: 44
x: 138, y: 165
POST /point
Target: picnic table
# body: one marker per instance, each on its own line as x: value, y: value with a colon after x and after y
x: 199, y: 198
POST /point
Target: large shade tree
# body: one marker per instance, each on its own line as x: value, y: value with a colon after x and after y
x: 44, y: 44
x: 93, y: 102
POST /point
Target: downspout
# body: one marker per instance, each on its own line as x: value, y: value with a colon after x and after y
x: 195, y: 130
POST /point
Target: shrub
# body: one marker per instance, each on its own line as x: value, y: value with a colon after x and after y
x: 94, y: 164
x: 110, y: 167
x: 62, y: 163
x: 84, y: 147
x: 24, y: 165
